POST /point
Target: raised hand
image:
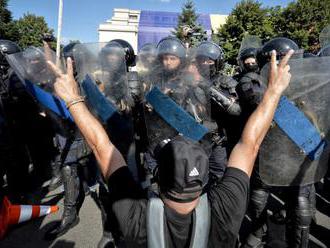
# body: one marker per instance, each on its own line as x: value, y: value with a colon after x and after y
x: 279, y: 75
x: 65, y: 86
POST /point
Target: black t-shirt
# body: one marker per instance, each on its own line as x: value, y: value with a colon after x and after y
x: 228, y: 202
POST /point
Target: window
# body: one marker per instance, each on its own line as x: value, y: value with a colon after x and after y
x: 133, y: 17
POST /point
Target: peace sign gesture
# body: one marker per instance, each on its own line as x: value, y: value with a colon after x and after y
x: 279, y: 75
x: 65, y: 86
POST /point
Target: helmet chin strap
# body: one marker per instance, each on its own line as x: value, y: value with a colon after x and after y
x: 251, y: 68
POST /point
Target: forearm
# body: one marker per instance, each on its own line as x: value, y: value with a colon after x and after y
x: 108, y: 157
x: 259, y: 122
x: 245, y: 152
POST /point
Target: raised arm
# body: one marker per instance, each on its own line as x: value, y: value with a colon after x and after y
x: 107, y: 155
x: 245, y: 152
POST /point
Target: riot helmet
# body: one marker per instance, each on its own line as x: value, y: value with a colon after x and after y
x: 324, y: 39
x: 37, y: 70
x: 117, y: 54
x: 36, y: 59
x: 148, y: 54
x: 68, y: 52
x: 247, y: 60
x: 69, y: 49
x: 210, y: 58
x: 7, y: 47
x: 171, y: 54
x: 309, y: 55
x: 112, y: 57
x: 282, y: 46
x: 128, y: 49
x: 325, y: 51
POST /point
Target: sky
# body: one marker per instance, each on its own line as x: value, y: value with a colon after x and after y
x: 82, y: 17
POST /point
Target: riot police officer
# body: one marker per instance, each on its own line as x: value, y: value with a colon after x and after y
x: 56, y: 179
x: 300, y: 200
x: 247, y: 60
x: 27, y: 137
x: 7, y: 146
x: 167, y: 74
x: 171, y: 55
x: 116, y: 58
x: 251, y: 86
x: 74, y: 160
x: 225, y: 107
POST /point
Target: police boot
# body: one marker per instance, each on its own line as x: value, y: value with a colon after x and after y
x: 71, y: 202
x: 258, y: 214
x: 56, y: 180
x: 299, y: 222
x: 255, y: 239
x: 107, y: 241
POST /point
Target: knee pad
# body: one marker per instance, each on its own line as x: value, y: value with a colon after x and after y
x: 304, y: 211
x: 259, y: 199
x: 69, y: 171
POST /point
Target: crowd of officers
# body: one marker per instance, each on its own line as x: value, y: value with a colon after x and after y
x: 32, y: 136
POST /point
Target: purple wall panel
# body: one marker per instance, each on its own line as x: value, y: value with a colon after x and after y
x: 155, y: 25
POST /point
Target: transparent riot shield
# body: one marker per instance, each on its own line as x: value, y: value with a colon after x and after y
x: 102, y: 74
x: 31, y: 65
x: 32, y: 69
x: 146, y: 61
x: 325, y: 42
x: 250, y: 41
x: 325, y: 37
x: 177, y: 100
x: 295, y: 150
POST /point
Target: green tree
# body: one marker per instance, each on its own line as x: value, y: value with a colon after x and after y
x: 31, y: 29
x: 7, y: 27
x: 188, y: 20
x: 302, y: 22
x: 248, y: 17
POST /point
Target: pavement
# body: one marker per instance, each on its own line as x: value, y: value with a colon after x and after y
x: 89, y: 231
x: 85, y: 235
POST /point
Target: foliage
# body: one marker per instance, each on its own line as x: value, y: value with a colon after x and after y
x: 31, y: 29
x: 188, y: 20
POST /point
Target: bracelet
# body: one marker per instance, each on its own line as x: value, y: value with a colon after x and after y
x: 73, y: 102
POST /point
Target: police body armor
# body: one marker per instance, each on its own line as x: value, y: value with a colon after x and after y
x: 156, y: 221
x: 226, y: 112
x: 250, y: 91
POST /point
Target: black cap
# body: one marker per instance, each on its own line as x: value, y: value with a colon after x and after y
x: 183, y: 167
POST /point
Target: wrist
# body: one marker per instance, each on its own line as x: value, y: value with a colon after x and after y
x: 74, y: 101
x: 275, y: 91
x: 71, y: 98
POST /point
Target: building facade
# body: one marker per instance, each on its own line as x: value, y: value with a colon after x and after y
x: 139, y: 27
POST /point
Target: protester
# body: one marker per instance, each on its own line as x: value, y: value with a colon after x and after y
x: 182, y: 175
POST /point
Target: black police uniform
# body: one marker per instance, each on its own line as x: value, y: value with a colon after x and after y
x: 156, y: 129
x: 119, y: 127
x: 25, y: 137
x: 225, y: 108
x: 77, y: 165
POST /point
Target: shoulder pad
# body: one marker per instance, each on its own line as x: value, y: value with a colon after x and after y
x: 226, y: 82
x: 252, y: 77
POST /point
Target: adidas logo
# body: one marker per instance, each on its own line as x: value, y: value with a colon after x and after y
x: 194, y: 172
